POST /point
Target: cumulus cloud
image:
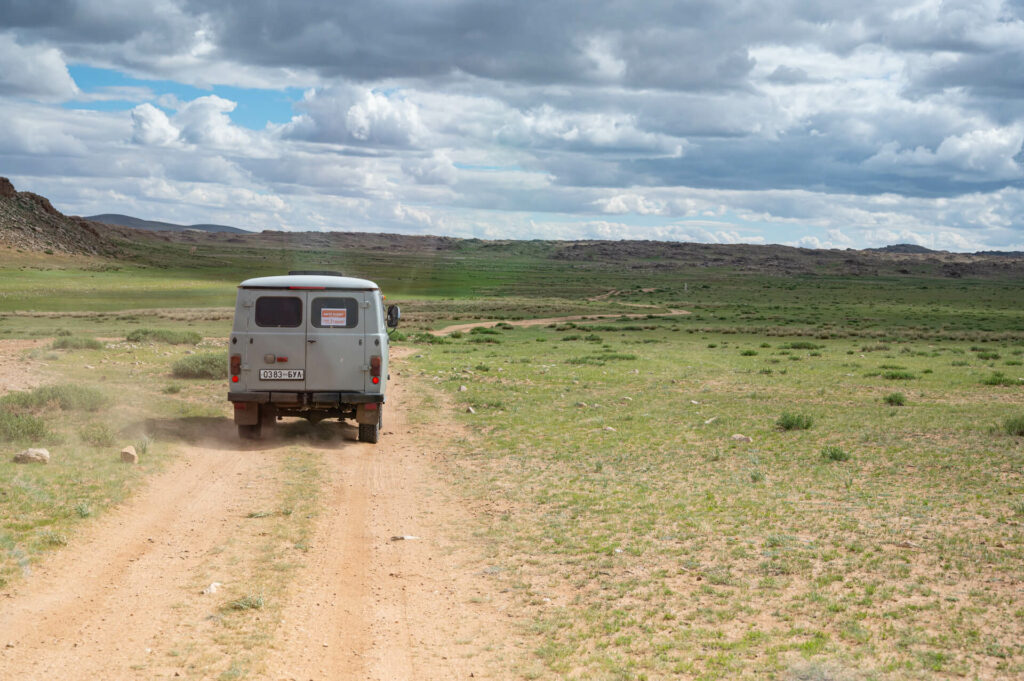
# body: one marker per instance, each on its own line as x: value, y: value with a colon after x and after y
x: 151, y: 126
x: 33, y: 71
x: 812, y: 123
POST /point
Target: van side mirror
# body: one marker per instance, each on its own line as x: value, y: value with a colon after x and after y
x: 394, y: 314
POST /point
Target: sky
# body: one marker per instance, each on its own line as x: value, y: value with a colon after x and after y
x: 822, y: 124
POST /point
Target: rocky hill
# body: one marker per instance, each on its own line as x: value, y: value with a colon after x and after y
x: 29, y: 222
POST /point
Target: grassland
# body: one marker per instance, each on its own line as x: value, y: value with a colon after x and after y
x: 641, y: 540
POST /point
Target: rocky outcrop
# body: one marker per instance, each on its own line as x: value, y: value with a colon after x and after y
x: 29, y: 222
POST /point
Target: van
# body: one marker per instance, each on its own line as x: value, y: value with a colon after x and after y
x: 313, y: 345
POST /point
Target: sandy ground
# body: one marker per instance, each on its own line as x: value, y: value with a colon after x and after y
x: 124, y: 595
x: 16, y: 370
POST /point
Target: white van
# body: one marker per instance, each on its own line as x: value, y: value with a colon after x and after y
x: 312, y: 345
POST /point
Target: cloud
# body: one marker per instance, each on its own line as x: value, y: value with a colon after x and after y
x: 151, y: 126
x: 33, y: 71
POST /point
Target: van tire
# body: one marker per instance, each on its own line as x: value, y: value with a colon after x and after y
x: 370, y: 432
x: 249, y: 432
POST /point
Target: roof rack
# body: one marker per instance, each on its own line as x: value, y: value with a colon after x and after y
x: 320, y: 273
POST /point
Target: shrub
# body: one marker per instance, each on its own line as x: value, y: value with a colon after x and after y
x: 834, y: 453
x: 65, y: 397
x: 802, y: 345
x: 1014, y: 425
x: 898, y: 375
x: 16, y: 427
x: 988, y: 355
x: 98, y: 434
x: 207, y: 365
x: 999, y: 378
x: 484, y: 329
x: 76, y: 343
x: 455, y: 334
x: 791, y: 421
x: 250, y: 602
x: 895, y: 399
x: 749, y: 353
x: 164, y: 336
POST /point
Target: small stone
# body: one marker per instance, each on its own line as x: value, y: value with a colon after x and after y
x: 710, y: 420
x: 581, y: 404
x: 742, y: 438
x: 610, y: 429
x: 627, y: 399
x: 470, y: 410
x: 694, y: 402
x: 128, y: 455
x: 463, y: 388
x: 32, y: 456
x: 212, y: 589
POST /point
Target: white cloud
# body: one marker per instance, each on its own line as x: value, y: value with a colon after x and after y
x: 151, y: 126
x: 34, y: 71
x: 438, y: 169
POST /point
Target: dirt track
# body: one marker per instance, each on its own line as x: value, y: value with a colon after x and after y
x: 123, y: 600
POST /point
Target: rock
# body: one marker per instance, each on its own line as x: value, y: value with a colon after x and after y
x: 470, y: 410
x: 32, y: 456
x: 610, y: 429
x: 710, y: 420
x: 581, y: 404
x: 404, y: 537
x: 627, y: 399
x: 742, y: 438
x: 212, y: 589
x: 128, y: 455
x: 463, y: 388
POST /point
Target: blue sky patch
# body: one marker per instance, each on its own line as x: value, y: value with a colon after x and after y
x: 112, y: 90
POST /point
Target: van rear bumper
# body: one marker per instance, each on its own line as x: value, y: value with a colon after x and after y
x: 305, y: 398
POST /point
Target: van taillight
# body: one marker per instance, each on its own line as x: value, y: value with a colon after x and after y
x: 236, y: 365
x: 375, y: 369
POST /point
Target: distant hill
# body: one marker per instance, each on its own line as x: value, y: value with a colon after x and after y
x: 29, y: 222
x: 153, y: 225
x: 902, y: 248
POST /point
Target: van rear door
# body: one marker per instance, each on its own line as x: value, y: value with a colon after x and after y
x: 276, y: 353
x: 336, y: 341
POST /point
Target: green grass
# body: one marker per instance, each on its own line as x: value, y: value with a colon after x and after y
x: 632, y: 538
x: 76, y: 343
x: 793, y: 421
x: 1014, y: 425
x: 206, y: 365
x: 895, y: 399
x: 172, y: 337
x: 23, y: 428
x: 65, y: 397
x: 834, y: 453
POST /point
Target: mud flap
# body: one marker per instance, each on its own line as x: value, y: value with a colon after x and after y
x: 368, y: 413
x: 247, y: 413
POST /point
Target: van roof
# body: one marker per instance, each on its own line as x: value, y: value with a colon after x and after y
x: 310, y: 281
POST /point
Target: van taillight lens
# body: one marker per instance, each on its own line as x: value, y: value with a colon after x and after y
x: 236, y: 365
x: 375, y: 367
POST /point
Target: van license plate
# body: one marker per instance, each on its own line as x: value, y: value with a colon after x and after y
x: 282, y: 374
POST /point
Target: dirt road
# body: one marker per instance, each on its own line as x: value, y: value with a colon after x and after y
x: 124, y: 600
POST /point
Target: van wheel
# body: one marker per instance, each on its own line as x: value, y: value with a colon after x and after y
x: 249, y: 432
x: 370, y: 432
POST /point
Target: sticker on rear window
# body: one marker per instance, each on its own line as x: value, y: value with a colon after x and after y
x: 332, y: 316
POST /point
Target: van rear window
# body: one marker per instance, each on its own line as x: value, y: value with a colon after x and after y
x: 336, y: 313
x: 278, y: 311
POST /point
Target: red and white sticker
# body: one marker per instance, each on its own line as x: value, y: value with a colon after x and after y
x: 330, y: 316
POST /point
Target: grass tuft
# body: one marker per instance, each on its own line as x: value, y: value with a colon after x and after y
x: 895, y: 399
x: 898, y: 375
x: 22, y: 427
x: 250, y: 602
x: 999, y: 378
x: 834, y: 453
x: 791, y: 421
x: 1014, y: 425
x: 207, y: 365
x: 76, y: 343
x: 98, y: 435
x: 64, y: 397
x: 164, y: 336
